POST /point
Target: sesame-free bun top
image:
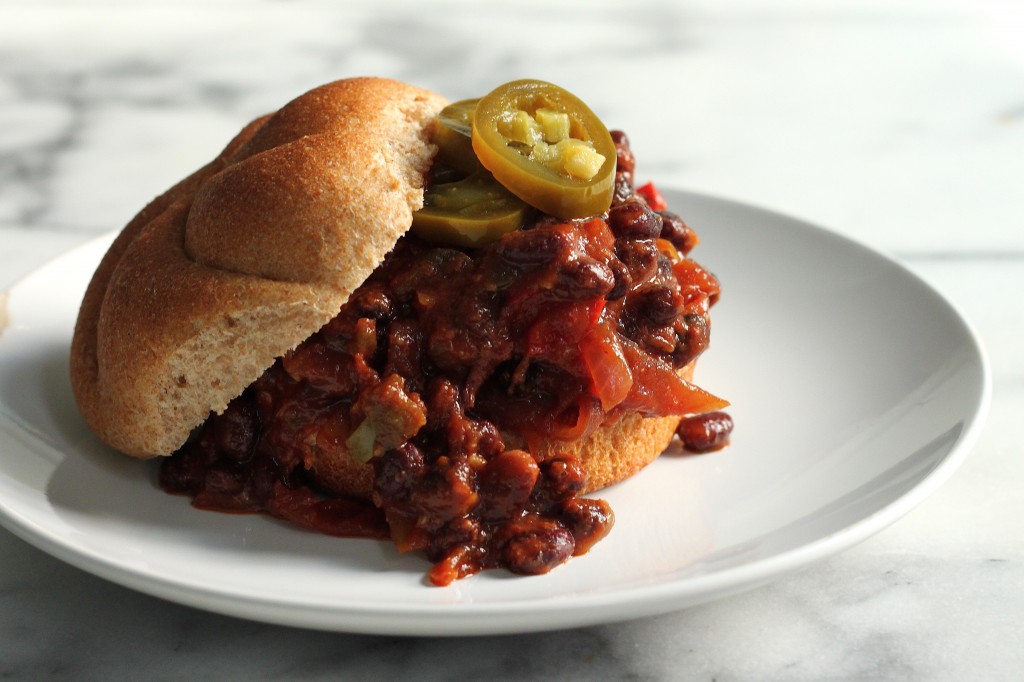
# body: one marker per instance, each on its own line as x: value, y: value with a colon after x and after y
x: 246, y: 258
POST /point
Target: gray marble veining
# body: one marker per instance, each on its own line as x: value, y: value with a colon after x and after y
x: 898, y: 123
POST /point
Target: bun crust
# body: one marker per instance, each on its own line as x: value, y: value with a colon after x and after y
x: 246, y: 258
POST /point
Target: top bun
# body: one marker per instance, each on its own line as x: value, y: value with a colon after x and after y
x: 246, y: 258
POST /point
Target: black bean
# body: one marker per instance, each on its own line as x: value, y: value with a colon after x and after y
x: 372, y: 301
x: 634, y: 220
x: 442, y: 402
x: 693, y: 335
x: 587, y: 520
x: 705, y: 432
x: 183, y: 473
x: 623, y: 190
x: 429, y: 268
x: 223, y: 480
x: 539, y: 549
x: 622, y: 280
x: 657, y: 306
x: 396, y: 471
x: 464, y: 531
x: 561, y: 478
x: 640, y: 257
x: 625, y: 161
x: 505, y: 485
x: 678, y: 232
x: 236, y: 430
x: 583, y: 278
x: 532, y: 247
x: 666, y: 273
x: 404, y: 342
x: 446, y: 491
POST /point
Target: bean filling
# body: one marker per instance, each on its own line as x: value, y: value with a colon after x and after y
x: 444, y: 369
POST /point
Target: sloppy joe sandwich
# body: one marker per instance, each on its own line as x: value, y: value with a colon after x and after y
x: 377, y: 313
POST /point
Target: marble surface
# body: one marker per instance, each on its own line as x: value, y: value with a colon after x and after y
x: 898, y: 123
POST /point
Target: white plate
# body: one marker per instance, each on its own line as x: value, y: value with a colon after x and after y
x: 856, y: 391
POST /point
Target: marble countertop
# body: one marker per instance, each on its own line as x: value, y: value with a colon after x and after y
x: 900, y: 124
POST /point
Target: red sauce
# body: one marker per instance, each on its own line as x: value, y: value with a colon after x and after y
x: 439, y: 359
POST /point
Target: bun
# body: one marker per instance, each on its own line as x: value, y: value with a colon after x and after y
x: 244, y: 259
x: 616, y: 451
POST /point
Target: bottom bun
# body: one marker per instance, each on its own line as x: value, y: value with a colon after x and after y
x: 610, y: 454
x: 615, y: 452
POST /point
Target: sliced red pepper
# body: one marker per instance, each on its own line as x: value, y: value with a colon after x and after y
x: 599, y: 234
x: 658, y: 391
x: 695, y: 282
x: 609, y: 371
x: 578, y: 421
x: 563, y: 326
x: 652, y: 196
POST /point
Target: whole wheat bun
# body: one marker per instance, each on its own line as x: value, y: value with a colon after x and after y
x: 246, y: 258
x: 253, y: 253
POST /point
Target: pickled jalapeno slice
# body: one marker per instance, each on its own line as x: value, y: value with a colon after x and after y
x: 453, y: 136
x: 547, y: 147
x: 469, y: 212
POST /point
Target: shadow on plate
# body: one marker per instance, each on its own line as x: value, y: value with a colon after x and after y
x: 97, y: 490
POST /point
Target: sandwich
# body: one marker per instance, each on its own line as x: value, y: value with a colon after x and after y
x: 380, y: 314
